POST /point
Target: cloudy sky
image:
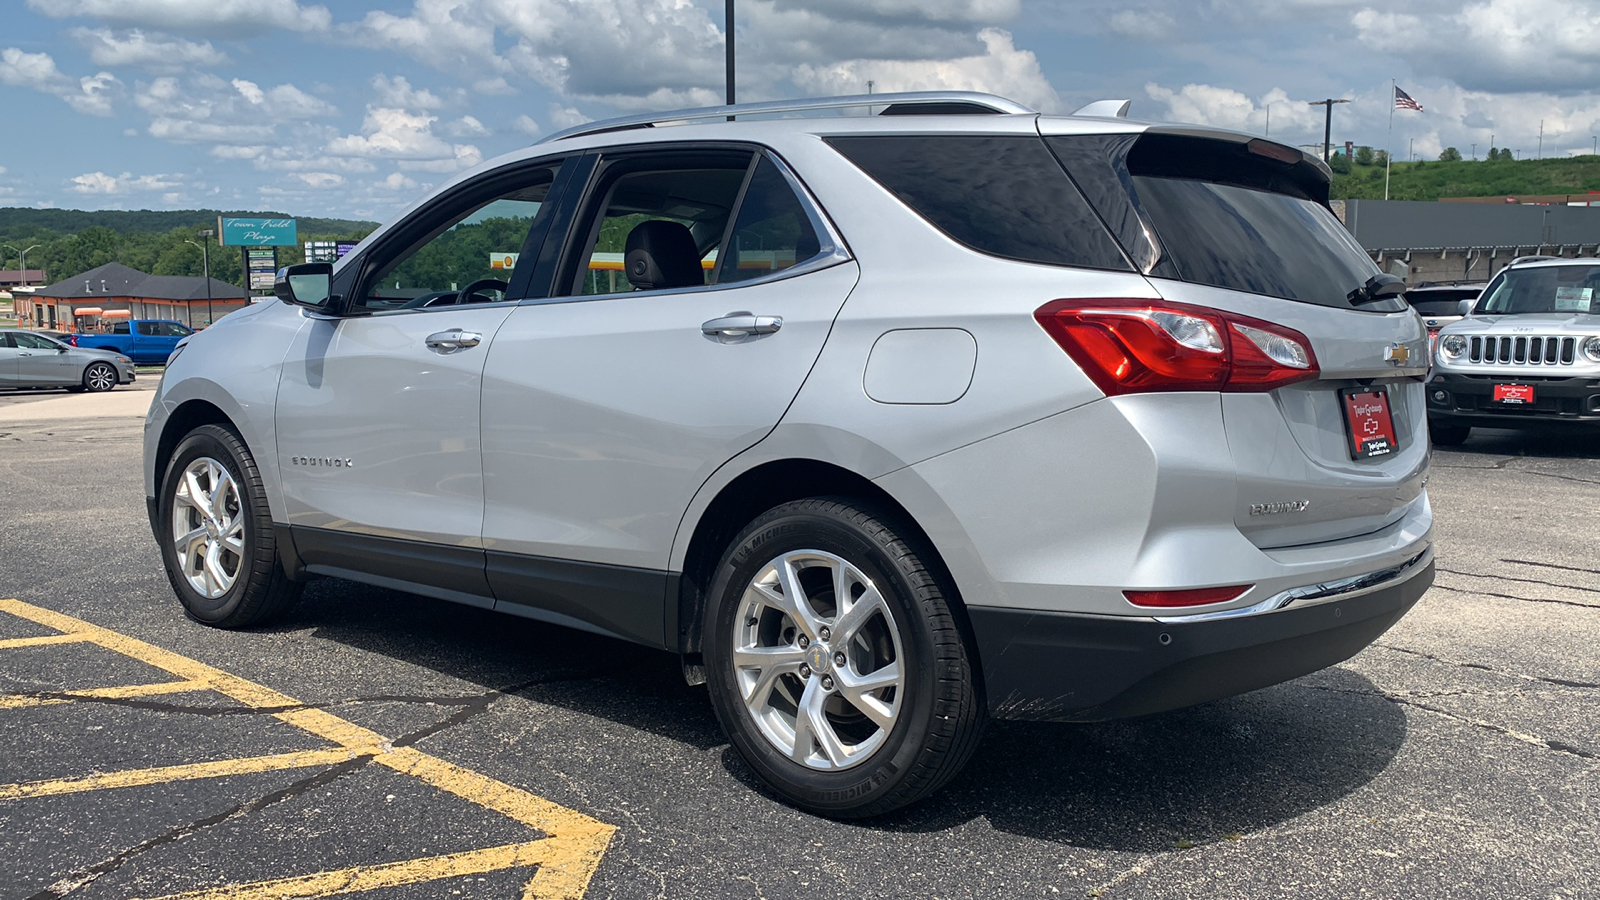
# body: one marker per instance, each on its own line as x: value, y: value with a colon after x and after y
x: 354, y: 108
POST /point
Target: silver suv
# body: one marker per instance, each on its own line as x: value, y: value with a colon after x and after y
x: 885, y: 424
x: 1527, y: 355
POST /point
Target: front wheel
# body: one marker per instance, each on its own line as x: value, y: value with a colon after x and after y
x: 217, y: 540
x: 99, y: 377
x: 835, y: 662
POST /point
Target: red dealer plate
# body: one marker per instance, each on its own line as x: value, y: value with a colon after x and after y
x: 1370, y: 427
x: 1514, y: 394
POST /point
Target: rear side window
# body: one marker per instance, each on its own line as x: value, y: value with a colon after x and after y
x: 1003, y: 195
x: 1223, y: 216
x: 773, y: 231
x: 119, y: 328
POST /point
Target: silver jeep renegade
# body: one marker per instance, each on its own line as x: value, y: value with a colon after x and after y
x: 885, y: 423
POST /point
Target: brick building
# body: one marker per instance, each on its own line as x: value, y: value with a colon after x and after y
x: 88, y: 302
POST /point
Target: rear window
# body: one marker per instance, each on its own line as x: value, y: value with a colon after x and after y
x: 1440, y: 301
x: 1004, y: 195
x: 1223, y: 216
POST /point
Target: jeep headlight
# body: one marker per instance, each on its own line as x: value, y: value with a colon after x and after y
x: 1452, y: 346
x: 1591, y: 348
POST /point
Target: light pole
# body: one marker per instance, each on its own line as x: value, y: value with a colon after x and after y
x: 1327, y: 124
x: 1596, y: 150
x: 205, y: 256
x: 728, y: 50
x: 22, y: 267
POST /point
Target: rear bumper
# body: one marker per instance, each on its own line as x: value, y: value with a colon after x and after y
x: 1067, y: 667
x: 1469, y: 400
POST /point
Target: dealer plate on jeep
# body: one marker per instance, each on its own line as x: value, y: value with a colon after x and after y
x: 1369, y: 424
x: 1514, y: 394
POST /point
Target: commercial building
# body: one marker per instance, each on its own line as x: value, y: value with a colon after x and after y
x: 88, y: 302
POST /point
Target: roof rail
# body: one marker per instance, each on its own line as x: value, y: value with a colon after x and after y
x: 941, y: 103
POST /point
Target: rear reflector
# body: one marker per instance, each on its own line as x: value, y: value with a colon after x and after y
x: 1138, y: 346
x: 1197, y: 597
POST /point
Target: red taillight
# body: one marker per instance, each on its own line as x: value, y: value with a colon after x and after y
x: 74, y: 339
x: 1197, y: 597
x: 1136, y: 346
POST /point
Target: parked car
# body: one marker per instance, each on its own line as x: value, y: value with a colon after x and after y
x: 61, y: 336
x: 28, y: 359
x: 884, y: 424
x: 1439, y: 303
x: 147, y: 341
x: 1527, y: 356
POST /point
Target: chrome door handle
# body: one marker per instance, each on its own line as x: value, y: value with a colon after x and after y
x: 741, y: 324
x: 453, y: 340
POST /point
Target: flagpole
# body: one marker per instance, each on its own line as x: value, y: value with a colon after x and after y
x: 1388, y: 149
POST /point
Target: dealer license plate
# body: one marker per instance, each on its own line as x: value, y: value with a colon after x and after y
x: 1514, y: 394
x: 1369, y: 425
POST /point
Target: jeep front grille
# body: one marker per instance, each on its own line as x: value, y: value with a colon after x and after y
x: 1522, y: 350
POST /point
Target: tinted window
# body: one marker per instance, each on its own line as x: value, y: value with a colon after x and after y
x: 1542, y: 289
x: 119, y: 328
x: 1004, y: 195
x: 773, y: 231
x: 1257, y: 241
x: 150, y: 328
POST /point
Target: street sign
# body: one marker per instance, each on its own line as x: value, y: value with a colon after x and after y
x: 256, y: 232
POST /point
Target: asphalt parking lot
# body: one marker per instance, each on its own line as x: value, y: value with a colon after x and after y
x: 393, y: 746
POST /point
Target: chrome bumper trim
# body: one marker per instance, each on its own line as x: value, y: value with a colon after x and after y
x: 1313, y: 594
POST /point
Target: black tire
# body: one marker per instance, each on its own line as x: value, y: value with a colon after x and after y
x: 940, y: 715
x: 1448, y: 435
x: 100, y: 376
x: 260, y: 590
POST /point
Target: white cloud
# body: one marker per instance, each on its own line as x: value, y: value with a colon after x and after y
x: 398, y: 93
x: 397, y: 181
x: 206, y: 109
x: 1143, y: 24
x: 91, y: 94
x: 525, y: 124
x: 320, y: 179
x: 566, y: 116
x: 149, y: 50
x: 465, y: 127
x: 1497, y: 45
x: 1221, y: 107
x: 393, y: 133
x: 1001, y: 69
x: 214, y: 18
x: 101, y: 183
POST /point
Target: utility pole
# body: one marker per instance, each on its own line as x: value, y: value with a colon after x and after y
x: 1411, y: 150
x: 1541, y: 140
x: 205, y: 255
x: 728, y: 49
x: 1327, y: 124
x: 1474, y: 152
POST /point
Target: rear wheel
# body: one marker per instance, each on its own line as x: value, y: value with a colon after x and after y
x: 835, y: 662
x: 99, y: 377
x: 218, y: 543
x: 1448, y: 435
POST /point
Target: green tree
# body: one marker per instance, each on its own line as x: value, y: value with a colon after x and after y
x: 1364, y: 156
x: 1340, y: 164
x: 1380, y: 158
x: 1450, y: 154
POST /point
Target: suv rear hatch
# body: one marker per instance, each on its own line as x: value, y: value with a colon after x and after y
x: 1241, y: 225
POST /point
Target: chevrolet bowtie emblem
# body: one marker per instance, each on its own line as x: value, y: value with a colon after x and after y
x: 1398, y: 354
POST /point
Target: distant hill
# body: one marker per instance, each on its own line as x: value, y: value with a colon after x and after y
x: 1500, y: 178
x: 16, y: 221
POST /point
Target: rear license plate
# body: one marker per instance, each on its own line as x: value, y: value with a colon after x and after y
x: 1368, y: 422
x: 1514, y: 394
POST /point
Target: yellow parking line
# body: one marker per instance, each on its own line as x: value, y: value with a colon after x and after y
x: 124, y: 692
x: 164, y: 774
x: 46, y: 640
x: 367, y: 878
x: 567, y: 857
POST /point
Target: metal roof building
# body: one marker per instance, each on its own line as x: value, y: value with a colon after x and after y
x: 113, y: 291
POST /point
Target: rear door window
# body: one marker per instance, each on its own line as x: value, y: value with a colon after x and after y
x: 1004, y: 195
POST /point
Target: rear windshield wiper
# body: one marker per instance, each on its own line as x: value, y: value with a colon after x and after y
x: 1378, y: 287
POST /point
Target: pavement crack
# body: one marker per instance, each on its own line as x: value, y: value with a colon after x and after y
x: 1554, y: 746
x: 1445, y: 587
x: 70, y: 884
x: 1496, y: 465
x: 1558, y: 682
x: 1544, y: 565
x: 1555, y: 584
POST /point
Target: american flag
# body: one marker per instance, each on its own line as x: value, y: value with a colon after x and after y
x: 1402, y: 100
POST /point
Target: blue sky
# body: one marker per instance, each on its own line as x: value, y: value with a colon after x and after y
x: 354, y: 109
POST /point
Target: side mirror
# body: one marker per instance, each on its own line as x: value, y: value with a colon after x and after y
x: 307, y: 284
x: 1464, y: 308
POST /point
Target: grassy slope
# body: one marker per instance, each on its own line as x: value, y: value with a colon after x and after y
x: 1501, y: 178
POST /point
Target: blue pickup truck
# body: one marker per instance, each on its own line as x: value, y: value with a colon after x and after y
x: 145, y: 341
